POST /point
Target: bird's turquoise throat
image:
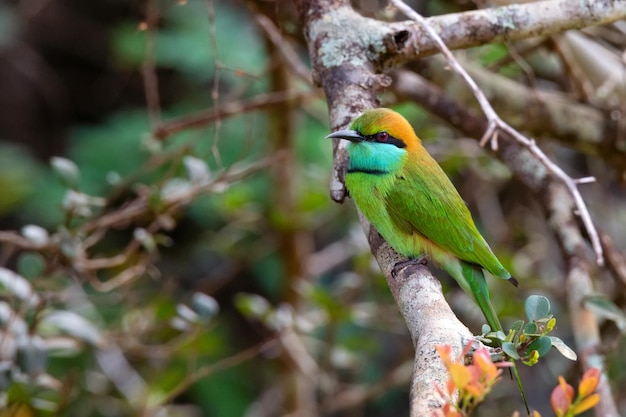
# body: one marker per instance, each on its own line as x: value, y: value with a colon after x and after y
x: 374, y: 158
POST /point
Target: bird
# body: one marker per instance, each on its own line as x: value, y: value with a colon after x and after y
x: 404, y: 193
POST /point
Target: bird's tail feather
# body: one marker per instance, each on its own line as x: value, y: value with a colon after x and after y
x: 477, y: 283
x: 475, y: 278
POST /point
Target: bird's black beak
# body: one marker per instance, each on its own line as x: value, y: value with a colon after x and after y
x: 351, y: 135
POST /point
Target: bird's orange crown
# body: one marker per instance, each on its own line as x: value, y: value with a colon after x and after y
x: 374, y: 121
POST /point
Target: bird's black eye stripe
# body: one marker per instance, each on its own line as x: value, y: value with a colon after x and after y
x: 390, y: 140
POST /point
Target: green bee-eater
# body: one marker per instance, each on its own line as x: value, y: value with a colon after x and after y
x: 406, y: 196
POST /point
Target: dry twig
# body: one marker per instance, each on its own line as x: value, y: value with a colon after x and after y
x: 148, y: 68
x: 289, y: 55
x: 203, y: 118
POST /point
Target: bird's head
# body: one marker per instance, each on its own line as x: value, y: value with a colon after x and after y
x: 380, y: 140
x: 380, y: 127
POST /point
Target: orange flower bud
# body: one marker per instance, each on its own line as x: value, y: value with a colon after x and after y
x: 482, y: 359
x: 587, y: 404
x: 589, y: 382
x: 460, y: 375
x: 561, y: 397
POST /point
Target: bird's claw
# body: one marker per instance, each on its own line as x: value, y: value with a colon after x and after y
x: 403, y: 264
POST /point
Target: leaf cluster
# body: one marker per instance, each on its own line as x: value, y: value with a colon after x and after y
x: 529, y: 341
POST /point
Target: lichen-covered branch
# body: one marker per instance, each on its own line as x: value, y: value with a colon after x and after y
x: 429, y: 319
x: 507, y: 23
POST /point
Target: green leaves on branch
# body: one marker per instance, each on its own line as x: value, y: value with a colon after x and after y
x: 202, y: 309
x: 33, y: 332
x: 255, y: 307
x: 537, y: 307
x: 529, y: 341
x: 67, y: 170
x: 15, y: 286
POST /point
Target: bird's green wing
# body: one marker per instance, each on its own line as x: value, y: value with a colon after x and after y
x: 424, y: 201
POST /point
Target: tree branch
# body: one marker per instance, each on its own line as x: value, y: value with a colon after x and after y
x: 429, y: 319
x: 506, y: 23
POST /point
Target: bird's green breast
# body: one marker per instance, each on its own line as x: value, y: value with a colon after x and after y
x: 415, y: 207
x: 372, y: 174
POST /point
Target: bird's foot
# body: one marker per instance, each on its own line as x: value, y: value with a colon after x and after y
x: 403, y: 264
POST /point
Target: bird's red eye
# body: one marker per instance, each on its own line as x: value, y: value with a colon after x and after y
x: 382, y: 136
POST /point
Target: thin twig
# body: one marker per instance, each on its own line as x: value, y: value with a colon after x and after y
x: 148, y: 69
x: 358, y: 395
x: 236, y: 359
x: 126, y: 276
x: 215, y: 91
x: 615, y: 260
x: 141, y: 206
x: 258, y: 102
x: 290, y: 57
x: 495, y: 123
x: 19, y: 241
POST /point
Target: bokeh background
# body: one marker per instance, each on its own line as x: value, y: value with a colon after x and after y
x: 164, y: 201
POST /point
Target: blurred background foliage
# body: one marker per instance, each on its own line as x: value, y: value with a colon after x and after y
x: 204, y: 270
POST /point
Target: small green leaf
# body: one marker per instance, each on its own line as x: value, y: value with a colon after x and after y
x: 66, y: 170
x: 493, y: 53
x: 6, y: 375
x: 197, y: 170
x: 205, y: 305
x: 17, y: 286
x: 186, y: 313
x: 485, y: 329
x: 605, y: 308
x: 32, y: 355
x: 16, y: 326
x: 537, y: 307
x: 72, y: 324
x: 531, y: 328
x: 146, y: 239
x: 517, y: 326
x: 81, y: 204
x: 252, y: 306
x: 563, y: 348
x: 31, y: 265
x: 176, y: 189
x: 510, y: 350
x: 36, y: 234
x: 542, y: 345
